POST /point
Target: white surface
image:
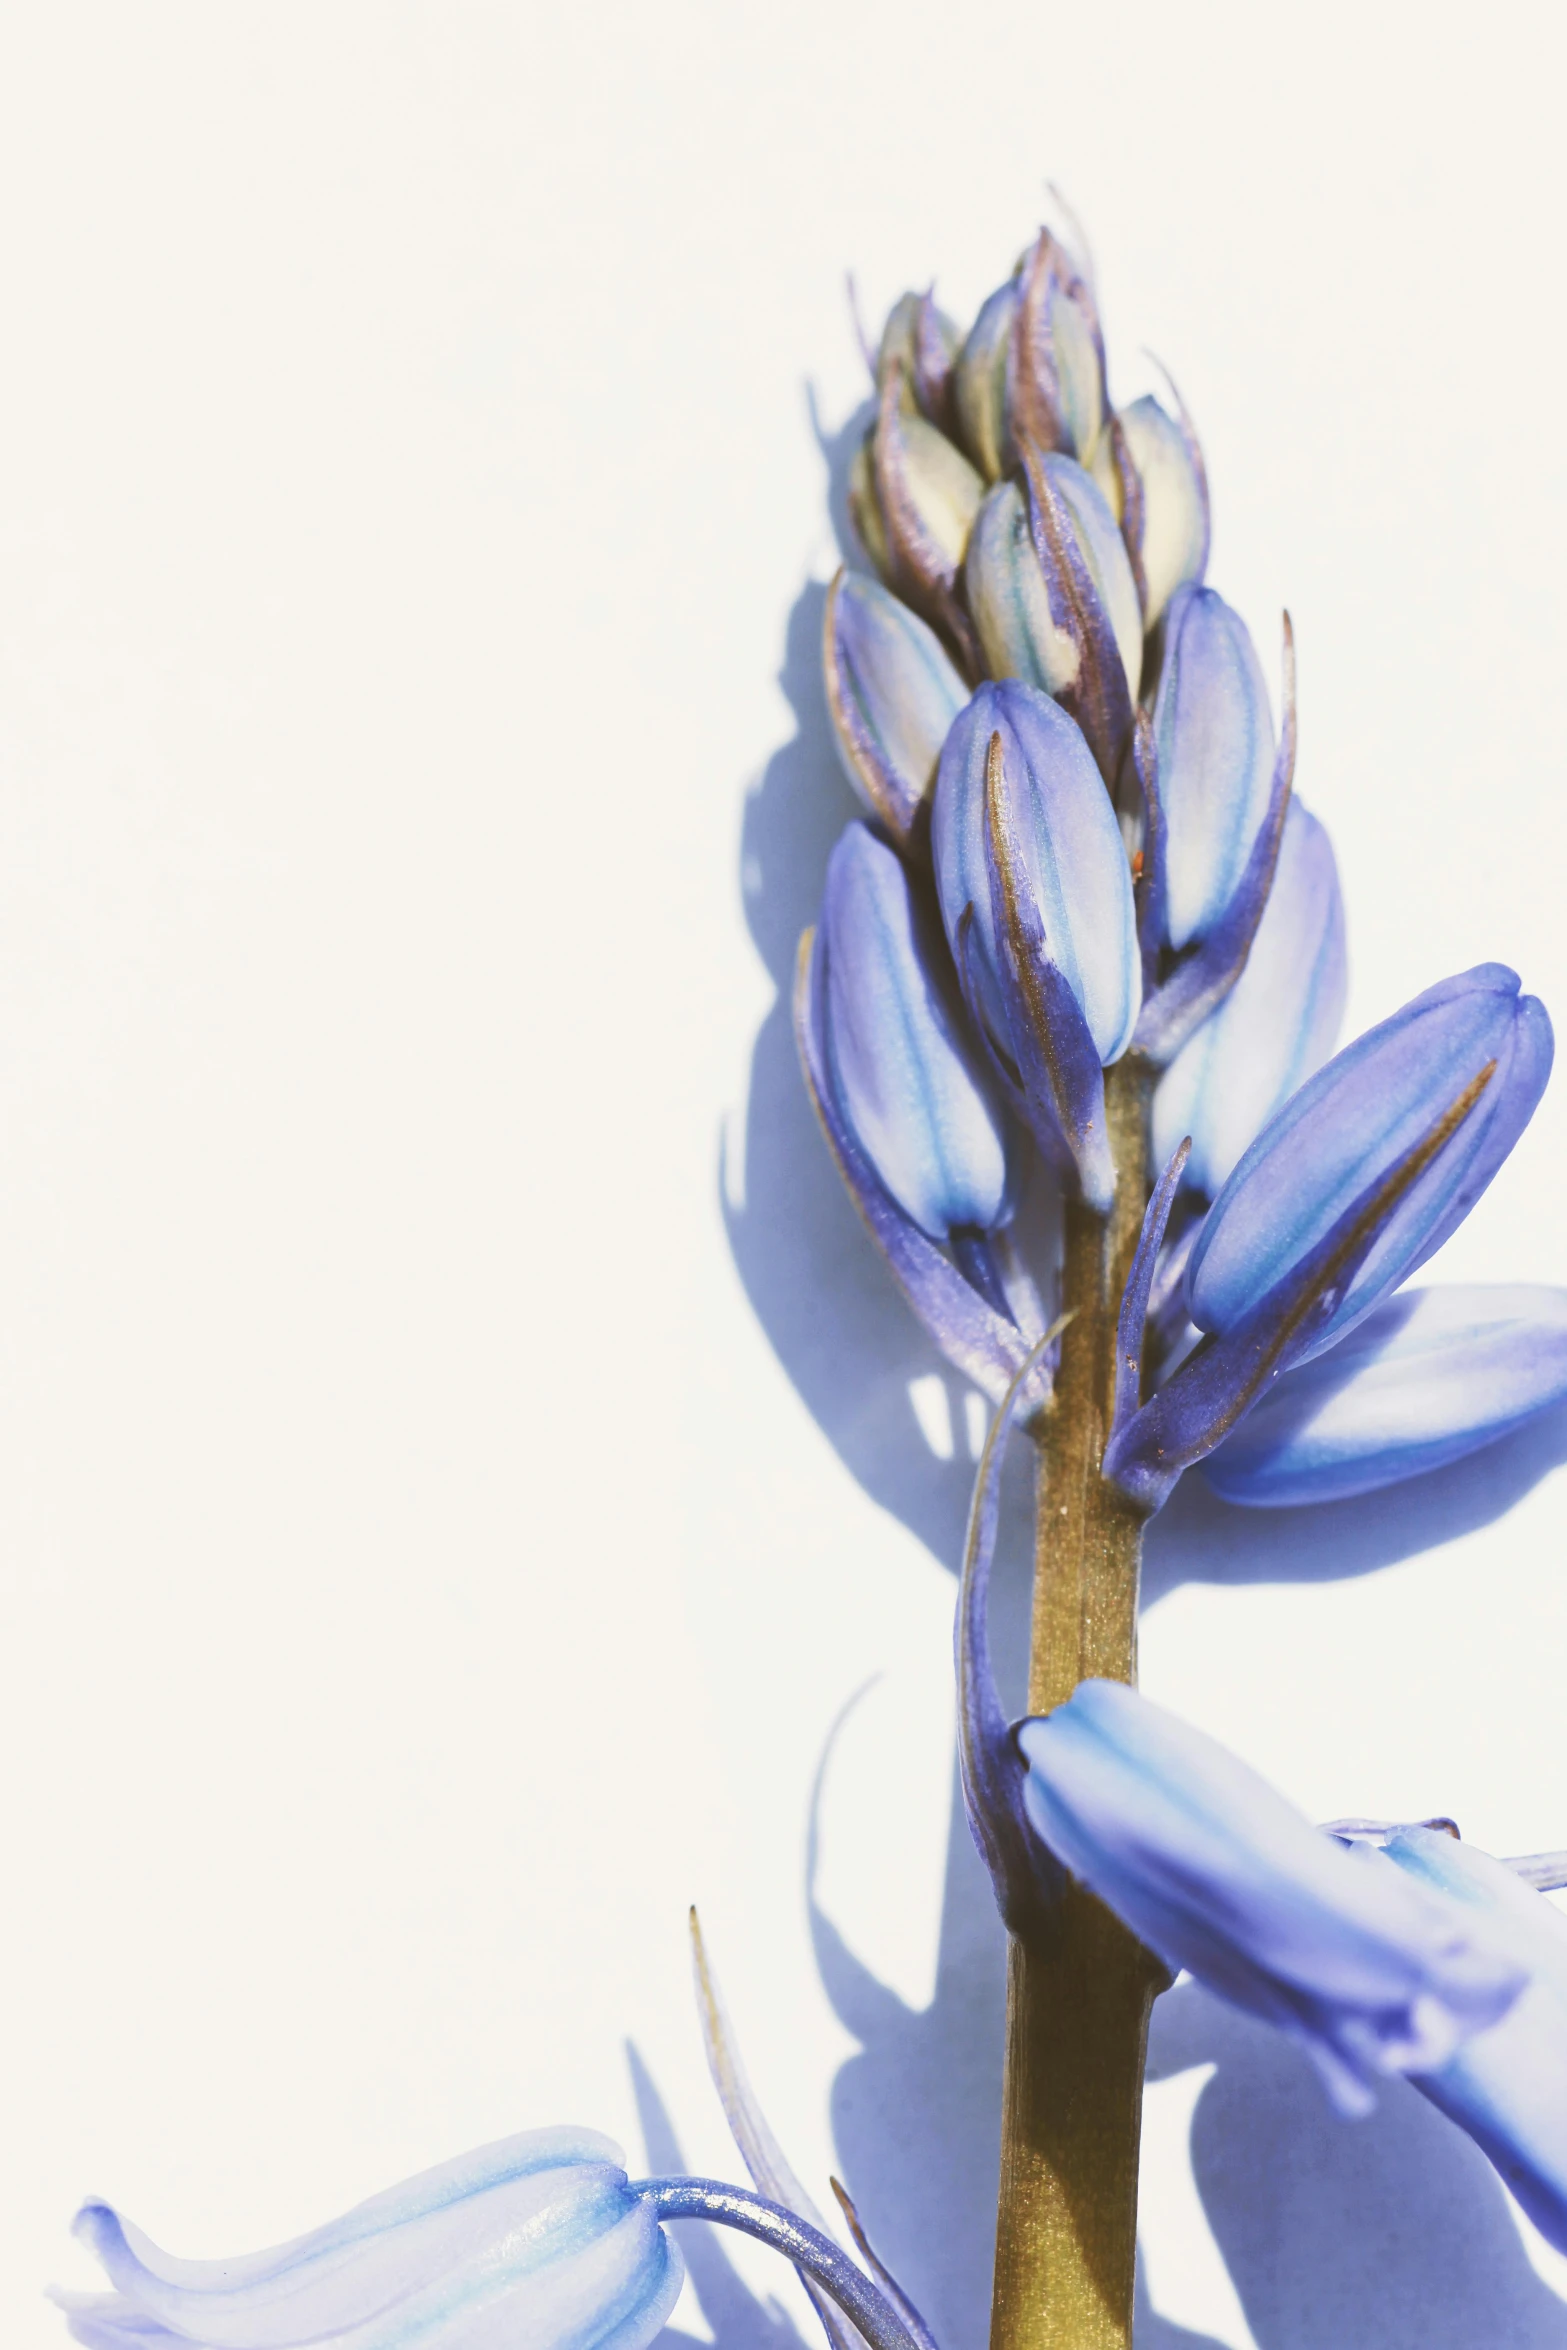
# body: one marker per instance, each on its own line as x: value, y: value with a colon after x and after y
x: 423, y: 1575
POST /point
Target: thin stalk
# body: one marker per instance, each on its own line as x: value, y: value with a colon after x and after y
x: 1079, y: 1989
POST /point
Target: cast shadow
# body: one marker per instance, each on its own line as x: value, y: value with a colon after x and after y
x: 1391, y: 2233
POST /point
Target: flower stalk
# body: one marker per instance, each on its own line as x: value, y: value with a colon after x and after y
x: 1079, y: 1986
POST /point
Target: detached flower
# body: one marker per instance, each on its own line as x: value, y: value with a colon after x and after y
x: 1277, y: 1025
x: 537, y: 2239
x: 1036, y: 897
x: 1361, y: 1176
x: 1507, y: 2086
x: 1216, y: 1872
x: 892, y: 694
x: 1429, y: 1376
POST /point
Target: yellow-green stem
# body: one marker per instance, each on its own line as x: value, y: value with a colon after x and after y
x: 1079, y: 1990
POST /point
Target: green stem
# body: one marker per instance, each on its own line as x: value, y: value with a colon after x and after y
x: 1079, y: 1991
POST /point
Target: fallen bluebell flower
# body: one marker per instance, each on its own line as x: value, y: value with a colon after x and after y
x: 1218, y: 1874
x: 1431, y: 1375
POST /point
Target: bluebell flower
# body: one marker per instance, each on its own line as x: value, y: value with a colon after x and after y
x: 535, y: 2240
x: 1358, y: 1180
x: 1151, y: 471
x: 1507, y: 2086
x: 1431, y: 1375
x: 1053, y: 599
x: 1214, y: 1871
x: 903, y: 1068
x: 1277, y: 1025
x: 1214, y: 740
x: 1036, y: 897
x: 892, y: 694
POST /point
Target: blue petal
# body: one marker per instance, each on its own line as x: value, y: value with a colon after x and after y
x: 1359, y: 1117
x: 1214, y: 732
x: 1072, y: 852
x: 904, y: 1072
x: 1431, y: 1375
x: 1216, y: 1872
x: 892, y: 694
x: 1507, y: 2086
x: 1276, y: 1027
x: 536, y: 2239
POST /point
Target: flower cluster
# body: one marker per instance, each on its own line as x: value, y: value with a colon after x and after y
x: 1082, y: 854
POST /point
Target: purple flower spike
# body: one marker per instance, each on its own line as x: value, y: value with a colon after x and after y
x: 1507, y: 2087
x: 981, y: 1342
x: 1352, y: 1124
x: 1429, y: 1376
x: 1277, y: 1025
x: 1216, y: 1872
x: 892, y: 694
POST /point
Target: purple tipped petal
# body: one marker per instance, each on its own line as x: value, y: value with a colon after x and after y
x: 1431, y: 1375
x: 892, y: 694
x: 1057, y: 378
x: 1214, y: 732
x: 1072, y: 855
x: 1216, y: 1872
x: 979, y: 384
x: 1276, y: 1027
x: 1359, y: 1117
x: 1507, y: 2087
x: 905, y: 1073
x: 982, y: 1344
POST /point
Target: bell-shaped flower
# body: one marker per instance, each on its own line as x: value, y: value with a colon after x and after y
x: 1214, y: 741
x: 1507, y: 2086
x: 535, y: 2239
x: 1358, y: 1180
x: 906, y: 1076
x: 1056, y: 384
x: 892, y: 694
x: 1151, y: 471
x: 979, y: 384
x: 1036, y: 897
x: 913, y: 496
x: 1431, y: 1375
x: 1216, y: 1872
x: 1277, y: 1025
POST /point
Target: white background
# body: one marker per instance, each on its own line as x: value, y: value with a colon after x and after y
x: 456, y: 1450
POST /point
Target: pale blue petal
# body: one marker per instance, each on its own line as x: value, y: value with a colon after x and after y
x: 1431, y: 1375
x: 1213, y: 730
x: 1276, y: 1027
x: 1216, y: 1872
x: 907, y: 1079
x: 1507, y: 2086
x: 1072, y: 851
x: 892, y: 693
x: 1371, y: 1106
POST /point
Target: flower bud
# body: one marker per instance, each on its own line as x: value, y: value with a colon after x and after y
x: 1453, y: 1079
x: 1431, y: 1375
x: 1504, y: 2086
x: 892, y: 693
x: 1074, y: 860
x: 901, y: 1063
x: 1057, y: 376
x: 1277, y: 1025
x: 1165, y: 518
x: 1213, y: 734
x: 919, y: 343
x: 1024, y: 631
x: 1216, y: 1872
x: 913, y: 496
x: 979, y: 384
x: 536, y: 2239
